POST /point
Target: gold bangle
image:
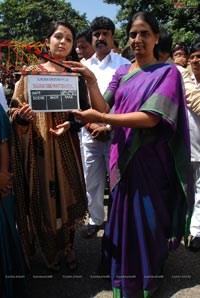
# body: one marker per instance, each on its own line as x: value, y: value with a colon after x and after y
x: 103, y: 118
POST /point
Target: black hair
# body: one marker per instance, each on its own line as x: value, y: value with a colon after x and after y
x: 145, y: 16
x: 53, y: 27
x: 102, y: 23
x: 85, y: 33
x: 64, y: 23
x: 150, y: 19
x: 180, y: 46
x: 165, y: 42
x: 195, y: 47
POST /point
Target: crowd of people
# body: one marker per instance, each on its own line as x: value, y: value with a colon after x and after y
x: 138, y: 126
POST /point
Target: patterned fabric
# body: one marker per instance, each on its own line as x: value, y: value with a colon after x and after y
x: 149, y: 179
x: 49, y: 184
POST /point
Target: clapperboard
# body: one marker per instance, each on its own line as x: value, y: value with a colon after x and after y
x: 53, y: 92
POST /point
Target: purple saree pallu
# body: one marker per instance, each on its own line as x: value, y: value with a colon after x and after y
x: 149, y: 179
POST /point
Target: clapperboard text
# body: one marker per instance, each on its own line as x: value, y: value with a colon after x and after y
x: 51, y: 93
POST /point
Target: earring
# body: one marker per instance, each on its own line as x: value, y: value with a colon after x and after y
x: 48, y: 50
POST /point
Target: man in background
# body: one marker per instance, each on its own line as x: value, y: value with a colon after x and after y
x: 116, y: 48
x: 192, y: 93
x: 96, y: 137
x: 194, y: 124
x: 84, y: 46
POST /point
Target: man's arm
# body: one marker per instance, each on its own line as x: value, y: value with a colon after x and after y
x: 192, y: 93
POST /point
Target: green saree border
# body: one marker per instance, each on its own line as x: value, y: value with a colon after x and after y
x: 134, y: 72
x: 117, y: 293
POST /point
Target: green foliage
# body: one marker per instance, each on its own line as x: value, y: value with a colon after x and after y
x: 183, y: 23
x: 25, y: 20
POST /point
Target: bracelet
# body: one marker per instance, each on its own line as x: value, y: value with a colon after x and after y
x: 103, y: 118
x: 92, y: 84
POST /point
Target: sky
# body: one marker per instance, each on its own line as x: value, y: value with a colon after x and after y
x: 95, y: 8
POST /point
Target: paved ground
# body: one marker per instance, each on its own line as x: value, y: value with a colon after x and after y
x: 181, y: 275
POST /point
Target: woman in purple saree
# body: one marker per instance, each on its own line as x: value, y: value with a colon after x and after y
x: 149, y: 162
x: 148, y: 178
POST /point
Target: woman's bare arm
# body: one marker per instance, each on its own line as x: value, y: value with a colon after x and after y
x: 97, y: 101
x: 133, y: 119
